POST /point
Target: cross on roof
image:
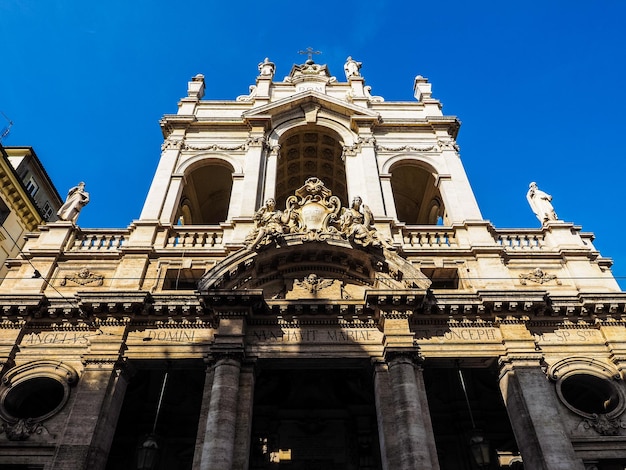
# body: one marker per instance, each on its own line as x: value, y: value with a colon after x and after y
x: 309, y: 51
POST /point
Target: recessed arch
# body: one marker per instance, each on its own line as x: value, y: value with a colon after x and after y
x: 206, y: 190
x: 202, y: 159
x: 343, y: 132
x: 416, y: 195
x: 310, y: 151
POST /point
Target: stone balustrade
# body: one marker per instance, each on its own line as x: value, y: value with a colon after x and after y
x: 413, y: 237
x: 429, y: 237
x: 196, y: 237
x: 99, y: 240
x: 521, y: 239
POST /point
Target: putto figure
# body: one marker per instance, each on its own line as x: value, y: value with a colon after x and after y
x: 541, y: 204
x: 77, y: 198
x: 357, y: 225
x: 269, y: 224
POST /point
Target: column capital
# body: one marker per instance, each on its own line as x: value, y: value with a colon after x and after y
x: 403, y: 356
x: 215, y: 358
x: 511, y: 362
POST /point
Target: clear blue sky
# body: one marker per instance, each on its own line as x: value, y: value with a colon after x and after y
x: 538, y: 86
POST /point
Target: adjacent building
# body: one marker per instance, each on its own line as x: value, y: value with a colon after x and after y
x: 311, y: 285
x: 28, y: 199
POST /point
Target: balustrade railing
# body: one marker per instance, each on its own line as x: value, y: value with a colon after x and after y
x: 194, y: 237
x: 99, y: 240
x: 199, y: 237
x: 420, y: 237
x: 520, y: 240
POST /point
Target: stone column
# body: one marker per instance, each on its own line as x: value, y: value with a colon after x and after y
x: 243, y: 427
x: 415, y: 441
x: 385, y: 417
x: 533, y: 410
x: 221, y: 423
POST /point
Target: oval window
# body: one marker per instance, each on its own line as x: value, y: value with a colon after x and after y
x: 589, y: 394
x: 34, y: 398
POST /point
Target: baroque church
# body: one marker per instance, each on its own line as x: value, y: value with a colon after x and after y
x: 311, y: 286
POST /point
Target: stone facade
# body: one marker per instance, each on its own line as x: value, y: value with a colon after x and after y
x: 311, y: 284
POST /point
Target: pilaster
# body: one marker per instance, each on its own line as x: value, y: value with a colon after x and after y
x: 533, y: 410
x: 152, y: 208
x: 89, y: 429
x: 362, y: 174
x: 253, y: 166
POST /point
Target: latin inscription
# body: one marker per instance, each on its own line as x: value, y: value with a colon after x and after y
x: 564, y: 336
x: 307, y: 87
x: 57, y: 337
x: 294, y: 335
x: 459, y: 334
x: 173, y: 336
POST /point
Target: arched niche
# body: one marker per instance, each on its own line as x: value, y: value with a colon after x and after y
x: 417, y: 199
x: 309, y: 151
x: 206, y: 194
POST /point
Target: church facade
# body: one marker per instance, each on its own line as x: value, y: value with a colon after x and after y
x: 311, y: 285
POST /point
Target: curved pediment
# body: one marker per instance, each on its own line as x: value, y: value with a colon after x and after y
x: 324, y: 269
x: 314, y: 249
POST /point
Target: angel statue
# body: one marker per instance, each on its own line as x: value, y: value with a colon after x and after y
x: 269, y: 224
x: 541, y: 204
x: 358, y: 227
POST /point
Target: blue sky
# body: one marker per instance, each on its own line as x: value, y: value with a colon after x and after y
x: 538, y: 86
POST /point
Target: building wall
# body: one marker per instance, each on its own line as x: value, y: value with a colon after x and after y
x: 435, y: 328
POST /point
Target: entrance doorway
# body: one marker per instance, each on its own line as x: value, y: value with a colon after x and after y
x: 314, y: 418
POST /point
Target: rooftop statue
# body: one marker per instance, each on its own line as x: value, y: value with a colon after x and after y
x: 352, y: 67
x: 77, y: 198
x: 541, y: 204
x: 267, y: 68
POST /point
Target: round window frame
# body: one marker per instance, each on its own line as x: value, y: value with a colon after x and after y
x: 62, y: 373
x: 573, y: 367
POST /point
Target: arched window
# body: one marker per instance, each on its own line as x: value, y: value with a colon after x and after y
x: 206, y: 195
x: 416, y: 197
x: 309, y: 152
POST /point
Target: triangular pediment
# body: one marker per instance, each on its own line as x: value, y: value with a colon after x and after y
x: 306, y: 99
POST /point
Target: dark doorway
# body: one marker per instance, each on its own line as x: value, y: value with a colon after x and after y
x: 313, y: 419
x: 177, y: 423
x: 456, y: 427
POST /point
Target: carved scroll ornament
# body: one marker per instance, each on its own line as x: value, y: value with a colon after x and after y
x: 315, y: 214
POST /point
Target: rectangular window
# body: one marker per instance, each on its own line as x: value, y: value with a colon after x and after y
x: 32, y: 187
x: 47, y: 211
